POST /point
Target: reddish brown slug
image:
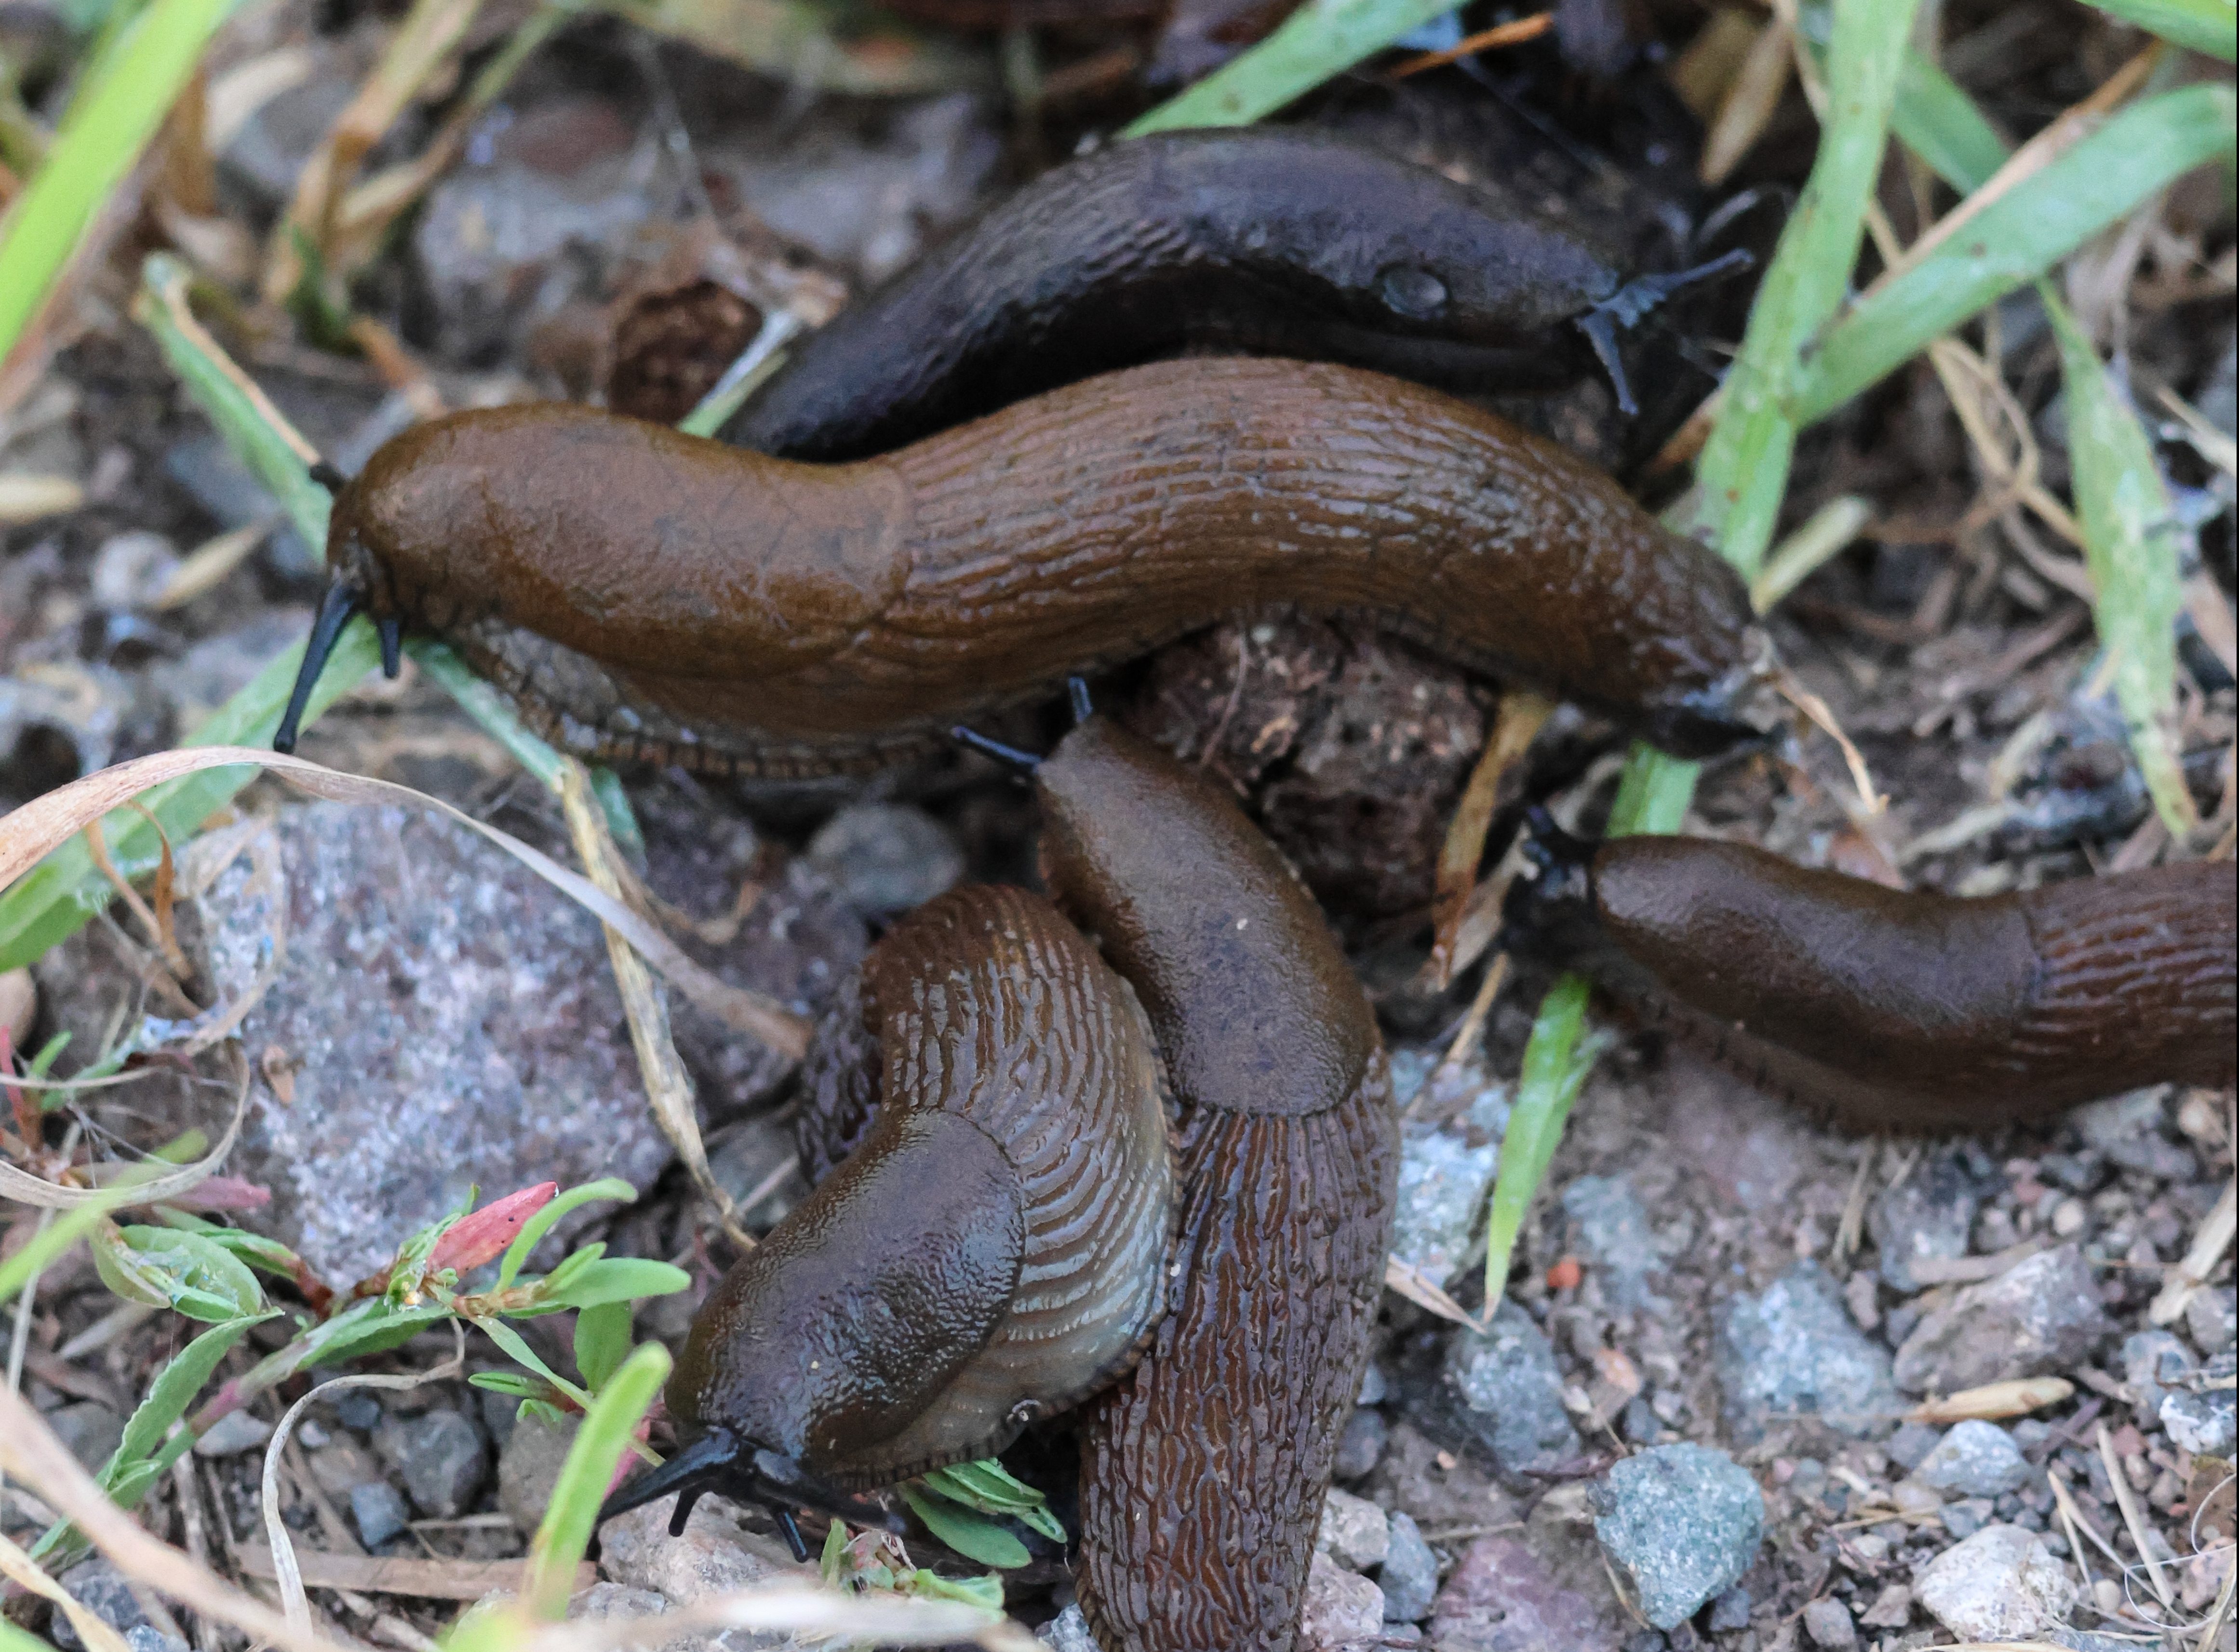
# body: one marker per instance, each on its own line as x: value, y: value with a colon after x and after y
x: 1256, y: 241
x: 645, y: 594
x: 1203, y: 1473
x: 994, y: 1251
x: 1888, y: 1009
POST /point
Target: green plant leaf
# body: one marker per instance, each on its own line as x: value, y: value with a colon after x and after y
x: 518, y: 1349
x: 989, y: 1487
x: 1936, y: 119
x: 370, y: 1327
x: 517, y: 1384
x: 537, y: 1226
x: 602, y: 1342
x: 621, y: 1280
x: 164, y: 1268
x: 47, y: 1244
x: 2098, y: 181
x: 609, y: 1423
x: 966, y: 1530
x: 2208, y: 26
x: 1320, y: 41
x: 1555, y: 1069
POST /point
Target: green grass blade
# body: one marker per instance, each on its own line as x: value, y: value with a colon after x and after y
x: 109, y: 122
x: 2209, y: 26
x: 2130, y: 544
x: 608, y: 1426
x: 50, y: 1241
x: 1936, y: 119
x: 2040, y: 221
x: 1320, y: 41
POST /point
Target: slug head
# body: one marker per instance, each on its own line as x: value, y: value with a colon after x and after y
x: 719, y: 1460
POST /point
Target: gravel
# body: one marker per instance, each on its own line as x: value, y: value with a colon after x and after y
x: 1682, y: 1522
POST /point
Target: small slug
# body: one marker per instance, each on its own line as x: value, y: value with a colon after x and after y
x: 1203, y: 1472
x: 644, y: 594
x: 992, y: 1253
x: 1909, y: 1011
x: 1260, y: 241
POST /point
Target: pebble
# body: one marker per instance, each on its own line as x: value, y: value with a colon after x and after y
x: 129, y: 569
x: 1926, y: 1216
x: 1891, y: 1609
x: 2152, y: 1361
x: 2041, y: 1315
x: 2211, y: 1318
x: 1361, y: 1443
x: 2000, y: 1584
x: 1613, y: 1237
x: 1500, y: 1598
x: 146, y: 1637
x: 1409, y: 1576
x: 747, y: 1155
x: 379, y: 1510
x: 1967, y: 1516
x: 1354, y: 1532
x: 528, y: 1467
x: 2128, y: 1131
x: 1683, y: 1522
x: 1731, y: 1611
x: 233, y: 1433
x: 1067, y: 1632
x: 714, y: 1555
x: 442, y: 1457
x: 1909, y: 1447
x: 1976, y: 1459
x: 1444, y: 1172
x: 1829, y: 1623
x: 343, y: 1465
x: 1342, y: 1609
x: 1512, y: 1394
x: 2205, y: 1425
x: 91, y: 1429
x: 102, y: 1589
x: 1792, y: 1348
x: 887, y: 857
x: 359, y: 1410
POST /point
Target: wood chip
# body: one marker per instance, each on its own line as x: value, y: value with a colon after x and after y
x: 433, y: 1579
x: 1993, y: 1401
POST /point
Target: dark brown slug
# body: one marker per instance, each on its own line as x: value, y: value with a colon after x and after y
x: 993, y: 1252
x: 1260, y: 241
x: 1907, y: 1011
x: 644, y: 594
x: 1203, y: 1473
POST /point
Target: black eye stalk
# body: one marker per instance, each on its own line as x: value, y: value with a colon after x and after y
x: 721, y: 1463
x: 1025, y: 763
x: 1631, y: 303
x: 343, y: 603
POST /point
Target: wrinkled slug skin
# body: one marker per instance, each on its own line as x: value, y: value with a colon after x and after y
x: 994, y: 1249
x: 1203, y: 1474
x: 1918, y: 1011
x: 1260, y: 241
x: 645, y: 594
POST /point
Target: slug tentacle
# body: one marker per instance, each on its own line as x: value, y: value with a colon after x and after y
x: 343, y: 603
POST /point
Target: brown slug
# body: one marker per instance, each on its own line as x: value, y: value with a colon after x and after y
x: 644, y: 594
x: 1908, y: 1011
x: 1259, y: 241
x: 994, y: 1251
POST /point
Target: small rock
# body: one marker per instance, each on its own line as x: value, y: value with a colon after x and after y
x: 91, y: 1429
x: 1683, y: 1521
x: 379, y: 1511
x: 714, y: 1555
x: 2152, y: 1361
x: 747, y: 1155
x: 442, y: 1459
x: 1355, y: 1533
x: 1892, y: 1608
x: 102, y: 1589
x: 528, y: 1468
x: 1731, y: 1611
x: 1500, y: 1598
x: 342, y: 1466
x: 1862, y: 1295
x: 1829, y: 1623
x: 1511, y: 1393
x: 359, y: 1410
x: 1614, y: 1237
x: 1342, y: 1609
x: 1067, y: 1632
x: 2129, y: 1129
x: 2205, y: 1425
x: 2041, y: 1315
x: 1792, y: 1348
x: 233, y: 1433
x: 131, y: 569
x: 146, y: 1637
x: 1926, y: 1216
x: 1445, y: 1170
x: 2211, y: 1320
x: 1410, y: 1578
x: 887, y: 857
x: 1639, y: 1422
x: 1976, y: 1459
x: 1361, y: 1443
x: 2000, y: 1584
x: 1967, y: 1516
x: 1374, y: 1386
x: 1909, y: 1447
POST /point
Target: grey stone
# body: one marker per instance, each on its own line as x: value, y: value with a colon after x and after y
x: 1614, y: 1237
x: 1361, y: 1443
x: 1501, y: 1598
x: 485, y: 1042
x: 265, y: 156
x: 1512, y: 1394
x: 2129, y: 1130
x: 603, y: 1601
x: 1928, y: 1215
x: 2000, y: 1584
x: 341, y: 1465
x: 146, y: 1637
x: 528, y: 1467
x: 1967, y: 1516
x: 91, y: 1429
x: 1731, y: 1611
x: 1410, y: 1578
x: 359, y: 1410
x: 745, y: 1158
x: 379, y: 1510
x: 2152, y: 1361
x: 131, y: 568
x: 1829, y: 1623
x: 887, y: 857
x: 86, y: 707
x: 102, y: 1590
x: 1446, y: 1171
x: 1067, y: 1632
x: 1976, y: 1459
x: 1909, y: 1446
x: 2041, y: 1315
x: 1792, y: 1348
x: 1682, y: 1522
x: 442, y: 1457
x: 2205, y: 1425
x: 1373, y: 1386
x: 1891, y: 1609
x: 1354, y: 1532
x: 714, y: 1555
x: 233, y: 1433
x: 1342, y: 1609
x: 1640, y: 1423
x: 2211, y: 1318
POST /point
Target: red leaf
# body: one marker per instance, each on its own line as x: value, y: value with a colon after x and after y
x: 484, y: 1235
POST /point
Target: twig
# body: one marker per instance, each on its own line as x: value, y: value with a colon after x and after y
x: 1508, y: 34
x: 2133, y: 1516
